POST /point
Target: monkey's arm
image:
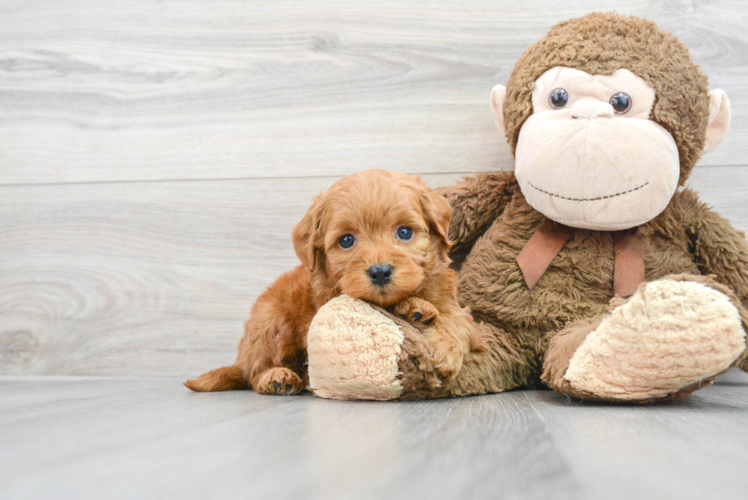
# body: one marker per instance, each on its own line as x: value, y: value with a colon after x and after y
x: 722, y: 250
x: 476, y: 202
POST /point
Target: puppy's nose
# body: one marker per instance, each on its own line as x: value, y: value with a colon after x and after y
x: 380, y: 274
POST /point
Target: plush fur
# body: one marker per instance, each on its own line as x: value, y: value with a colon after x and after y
x: 370, y: 205
x: 338, y: 372
x: 492, y: 221
x: 694, y: 329
x: 687, y: 237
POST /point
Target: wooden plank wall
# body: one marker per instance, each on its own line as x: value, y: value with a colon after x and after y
x: 154, y: 155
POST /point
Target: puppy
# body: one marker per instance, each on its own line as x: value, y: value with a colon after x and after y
x: 377, y: 236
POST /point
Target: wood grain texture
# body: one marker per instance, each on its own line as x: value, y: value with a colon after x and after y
x: 157, y: 278
x: 152, y: 438
x: 194, y: 89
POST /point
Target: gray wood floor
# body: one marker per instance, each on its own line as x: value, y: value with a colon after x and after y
x: 151, y: 438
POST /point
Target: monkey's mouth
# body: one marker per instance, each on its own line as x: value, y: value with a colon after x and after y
x: 588, y: 199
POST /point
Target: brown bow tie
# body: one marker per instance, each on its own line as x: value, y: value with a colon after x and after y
x: 550, y: 238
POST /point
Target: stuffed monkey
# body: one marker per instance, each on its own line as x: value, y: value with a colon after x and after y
x: 590, y: 269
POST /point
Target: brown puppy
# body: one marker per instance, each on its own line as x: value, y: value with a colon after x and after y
x: 377, y: 236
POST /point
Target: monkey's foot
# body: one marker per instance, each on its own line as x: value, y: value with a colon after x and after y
x: 671, y: 338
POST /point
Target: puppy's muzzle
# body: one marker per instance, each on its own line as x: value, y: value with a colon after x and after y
x: 380, y: 274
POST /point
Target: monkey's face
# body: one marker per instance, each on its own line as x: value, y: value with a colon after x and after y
x: 590, y: 157
x: 602, y: 147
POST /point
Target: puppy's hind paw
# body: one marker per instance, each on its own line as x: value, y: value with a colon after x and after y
x: 279, y: 381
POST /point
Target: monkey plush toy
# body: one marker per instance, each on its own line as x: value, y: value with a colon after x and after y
x: 591, y: 269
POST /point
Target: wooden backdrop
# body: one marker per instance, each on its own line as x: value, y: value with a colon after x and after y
x: 154, y: 155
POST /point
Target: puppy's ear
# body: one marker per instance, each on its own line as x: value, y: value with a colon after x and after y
x: 306, y: 234
x: 436, y: 211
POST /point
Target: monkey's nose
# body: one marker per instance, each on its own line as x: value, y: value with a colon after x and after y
x: 591, y: 108
x: 380, y: 274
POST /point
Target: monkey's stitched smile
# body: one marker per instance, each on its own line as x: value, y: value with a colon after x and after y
x: 588, y: 199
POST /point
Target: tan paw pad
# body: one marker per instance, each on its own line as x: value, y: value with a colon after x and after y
x: 354, y: 352
x: 669, y: 335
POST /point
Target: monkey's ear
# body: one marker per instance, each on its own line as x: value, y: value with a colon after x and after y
x: 498, y: 94
x: 305, y: 234
x: 719, y: 119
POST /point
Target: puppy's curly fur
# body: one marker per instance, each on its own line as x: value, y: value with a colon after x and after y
x: 371, y: 206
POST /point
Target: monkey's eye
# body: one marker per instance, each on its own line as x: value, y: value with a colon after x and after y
x: 621, y: 102
x: 404, y: 233
x: 346, y: 241
x: 559, y: 98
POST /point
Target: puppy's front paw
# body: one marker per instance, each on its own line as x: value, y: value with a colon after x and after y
x: 279, y: 381
x: 416, y: 311
x: 448, y: 357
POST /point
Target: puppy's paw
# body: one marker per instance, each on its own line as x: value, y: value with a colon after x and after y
x: 416, y: 311
x: 278, y: 381
x: 448, y: 357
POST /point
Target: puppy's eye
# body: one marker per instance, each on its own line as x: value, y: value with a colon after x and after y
x: 404, y: 233
x: 346, y: 241
x: 559, y: 98
x: 621, y: 102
